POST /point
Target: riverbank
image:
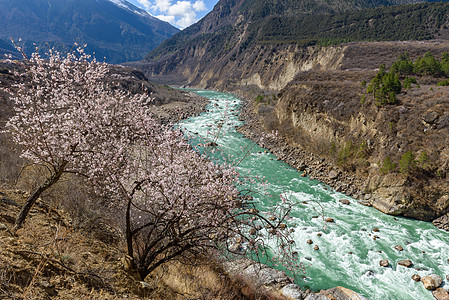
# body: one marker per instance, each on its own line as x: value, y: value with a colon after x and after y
x: 310, y: 164
x: 176, y: 111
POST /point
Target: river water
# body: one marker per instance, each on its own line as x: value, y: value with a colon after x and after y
x: 348, y: 254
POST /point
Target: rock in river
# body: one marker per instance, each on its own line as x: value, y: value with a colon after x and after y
x: 344, y: 201
x: 406, y: 263
x: 416, y: 277
x: 432, y: 281
x: 384, y: 263
x: 440, y: 294
x: 398, y: 247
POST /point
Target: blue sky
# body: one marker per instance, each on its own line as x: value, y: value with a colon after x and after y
x: 179, y: 13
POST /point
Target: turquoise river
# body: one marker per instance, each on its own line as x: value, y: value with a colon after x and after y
x: 348, y: 255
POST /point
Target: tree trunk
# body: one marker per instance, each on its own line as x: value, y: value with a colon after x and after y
x: 35, y: 195
x: 129, y: 234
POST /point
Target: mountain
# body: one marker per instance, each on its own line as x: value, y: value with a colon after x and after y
x: 239, y: 36
x: 114, y: 29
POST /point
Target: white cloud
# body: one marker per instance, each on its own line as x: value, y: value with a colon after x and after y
x: 199, y: 6
x: 145, y: 3
x: 169, y: 19
x: 183, y: 13
x: 162, y: 5
x: 180, y: 9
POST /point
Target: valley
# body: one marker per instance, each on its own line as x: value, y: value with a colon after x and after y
x: 334, y: 114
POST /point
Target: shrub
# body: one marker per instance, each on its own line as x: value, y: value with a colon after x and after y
x: 407, y: 163
x: 443, y: 83
x: 428, y: 65
x: 403, y: 65
x: 384, y: 87
x: 408, y: 82
x: 423, y: 159
x: 259, y: 99
x: 387, y: 166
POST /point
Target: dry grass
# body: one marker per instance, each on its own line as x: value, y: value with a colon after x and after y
x: 49, y: 258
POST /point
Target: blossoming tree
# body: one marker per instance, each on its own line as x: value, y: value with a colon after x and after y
x: 176, y: 203
x: 68, y: 121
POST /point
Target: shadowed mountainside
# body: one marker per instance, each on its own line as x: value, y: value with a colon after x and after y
x: 117, y: 31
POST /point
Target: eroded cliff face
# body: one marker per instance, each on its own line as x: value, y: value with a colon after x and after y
x: 264, y: 67
x: 321, y: 112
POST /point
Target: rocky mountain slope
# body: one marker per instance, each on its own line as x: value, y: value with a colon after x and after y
x: 115, y: 30
x: 240, y: 41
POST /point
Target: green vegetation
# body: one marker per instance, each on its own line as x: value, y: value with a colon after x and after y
x: 259, y: 99
x: 265, y: 99
x: 443, y: 83
x: 403, y: 65
x: 384, y: 87
x: 403, y: 22
x: 423, y: 159
x: 286, y: 22
x: 407, y: 163
x: 426, y: 65
x: 408, y: 82
x: 387, y: 166
x: 350, y: 153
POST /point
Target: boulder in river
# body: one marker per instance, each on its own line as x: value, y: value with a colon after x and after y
x: 330, y: 220
x: 406, y: 263
x: 398, y: 247
x: 344, y: 201
x: 416, y: 277
x: 211, y: 144
x: 310, y: 242
x: 337, y: 293
x: 432, y: 282
x: 384, y: 263
x: 440, y: 294
x: 316, y: 247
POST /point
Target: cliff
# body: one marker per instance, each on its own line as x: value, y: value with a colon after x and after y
x: 320, y: 112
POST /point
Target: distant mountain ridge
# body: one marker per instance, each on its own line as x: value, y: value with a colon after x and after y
x: 232, y: 36
x: 114, y: 29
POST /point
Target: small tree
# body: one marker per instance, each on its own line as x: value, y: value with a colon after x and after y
x: 407, y: 163
x: 445, y: 63
x: 69, y: 122
x: 384, y: 87
x: 387, y: 166
x: 423, y: 159
x: 428, y: 65
x: 403, y: 65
